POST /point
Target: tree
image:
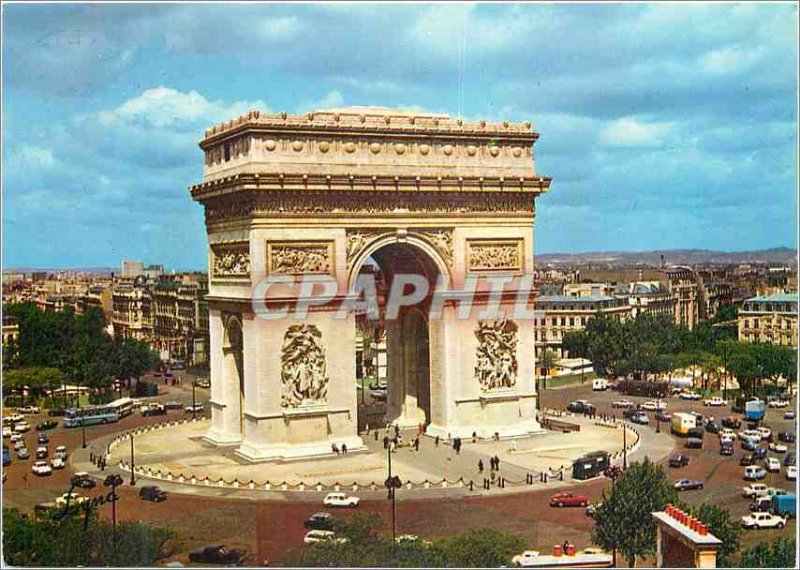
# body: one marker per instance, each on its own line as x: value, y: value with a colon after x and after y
x: 480, y: 548
x: 546, y: 362
x: 719, y: 523
x: 623, y: 521
x: 576, y: 343
x: 776, y: 554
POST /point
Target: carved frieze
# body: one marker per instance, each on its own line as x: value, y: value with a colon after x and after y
x: 494, y: 255
x: 442, y: 240
x: 230, y: 260
x: 300, y: 257
x: 304, y: 375
x: 357, y: 240
x: 496, y: 355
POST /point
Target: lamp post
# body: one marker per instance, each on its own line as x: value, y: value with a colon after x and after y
x: 114, y: 481
x: 624, y: 447
x: 194, y: 409
x: 133, y: 464
x: 393, y: 483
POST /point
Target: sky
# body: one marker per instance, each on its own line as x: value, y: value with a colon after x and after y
x: 663, y: 125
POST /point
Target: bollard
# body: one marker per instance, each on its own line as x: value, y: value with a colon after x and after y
x: 471, y: 485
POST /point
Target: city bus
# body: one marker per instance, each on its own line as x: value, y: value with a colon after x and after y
x: 123, y: 407
x: 90, y: 415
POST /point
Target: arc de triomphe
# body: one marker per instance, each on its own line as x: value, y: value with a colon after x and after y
x: 317, y: 197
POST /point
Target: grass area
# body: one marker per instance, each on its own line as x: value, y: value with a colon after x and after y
x: 569, y: 380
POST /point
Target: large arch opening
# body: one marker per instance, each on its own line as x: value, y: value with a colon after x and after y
x: 233, y: 372
x: 393, y: 356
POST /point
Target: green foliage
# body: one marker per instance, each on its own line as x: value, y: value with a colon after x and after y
x: 624, y: 520
x: 368, y: 546
x: 776, y: 554
x: 719, y: 523
x: 67, y: 542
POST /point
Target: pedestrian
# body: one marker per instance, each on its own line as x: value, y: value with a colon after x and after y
x: 491, y: 464
x: 416, y: 443
x: 396, y: 430
x: 392, y: 446
x: 497, y: 463
x: 436, y: 441
x: 344, y: 449
x: 91, y: 456
x: 367, y: 428
x: 335, y: 448
x: 421, y: 428
x: 386, y: 442
x: 480, y: 465
x: 474, y: 437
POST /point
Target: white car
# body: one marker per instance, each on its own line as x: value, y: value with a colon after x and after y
x: 772, y: 465
x: 778, y: 404
x: 778, y: 447
x: 196, y: 408
x: 41, y: 468
x: 7, y: 431
x: 22, y: 427
x: 690, y: 396
x: 527, y: 558
x: 19, y: 444
x: 340, y: 500
x: 750, y: 434
x: 653, y: 406
x: 15, y: 437
x: 58, y: 462
x: 754, y: 490
x: 314, y: 536
x: 622, y: 404
x: 763, y: 520
x: 764, y: 431
x: 715, y: 402
x: 61, y: 450
x: 14, y: 418
x: 29, y: 410
x: 74, y: 499
x: 791, y: 472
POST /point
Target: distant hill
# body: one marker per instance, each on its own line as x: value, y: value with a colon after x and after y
x: 781, y: 255
x: 92, y: 270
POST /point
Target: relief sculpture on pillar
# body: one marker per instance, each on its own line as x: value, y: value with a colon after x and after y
x: 496, y: 356
x: 442, y: 241
x: 303, y: 368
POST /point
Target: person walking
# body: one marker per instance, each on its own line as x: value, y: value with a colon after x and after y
x: 480, y: 465
x: 396, y: 430
x: 436, y: 441
x: 344, y: 449
x: 386, y: 442
x: 416, y: 443
x: 497, y: 462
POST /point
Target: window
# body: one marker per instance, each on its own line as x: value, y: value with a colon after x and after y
x: 227, y: 150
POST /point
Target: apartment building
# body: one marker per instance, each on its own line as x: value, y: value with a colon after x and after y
x: 771, y: 318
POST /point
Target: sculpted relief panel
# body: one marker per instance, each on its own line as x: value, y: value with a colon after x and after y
x: 294, y: 258
x: 500, y: 255
x: 496, y: 355
x: 303, y: 368
x: 230, y: 261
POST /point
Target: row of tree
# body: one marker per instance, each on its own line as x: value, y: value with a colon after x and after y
x: 649, y: 346
x: 58, y: 347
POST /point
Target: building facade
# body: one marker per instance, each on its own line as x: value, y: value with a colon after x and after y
x: 682, y: 283
x: 771, y: 319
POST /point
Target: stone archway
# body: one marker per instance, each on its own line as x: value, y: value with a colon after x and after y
x: 227, y: 385
x: 233, y: 378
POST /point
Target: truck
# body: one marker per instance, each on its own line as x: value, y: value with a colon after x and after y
x: 754, y: 410
x: 682, y: 423
x: 784, y: 505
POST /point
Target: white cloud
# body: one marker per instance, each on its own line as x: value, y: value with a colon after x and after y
x: 728, y: 60
x: 30, y: 155
x: 628, y: 132
x: 163, y: 106
x: 279, y: 29
x: 332, y: 100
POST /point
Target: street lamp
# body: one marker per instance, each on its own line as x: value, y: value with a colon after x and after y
x: 114, y: 481
x: 194, y: 410
x: 83, y: 431
x: 393, y: 483
x: 133, y: 464
x: 624, y: 447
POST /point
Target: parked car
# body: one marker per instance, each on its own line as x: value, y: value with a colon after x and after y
x: 778, y: 447
x: 14, y: 418
x: 759, y: 453
x: 679, y: 460
x: 319, y: 521
x: 153, y: 409
x: 203, y: 382
x: 754, y: 490
x: 152, y: 493
x: 726, y: 440
x: 764, y: 432
x: 567, y: 499
x: 761, y: 505
x: 716, y: 401
x: 663, y: 416
x: 41, y: 452
x: 731, y: 422
x: 193, y: 408
x: 787, y: 436
x: 727, y: 432
x: 772, y: 465
x: 45, y: 425
x: 315, y: 536
x: 640, y: 418
x: 654, y: 405
x: 580, y: 407
x: 41, y: 468
x: 340, y: 500
x: 754, y: 473
x: 23, y: 453
x: 19, y: 444
x: 42, y: 439
x: 690, y: 396
x: 790, y: 415
x: 763, y: 520
x: 29, y: 410
x: 694, y: 443
x: 688, y: 484
x: 216, y: 554
x: 695, y: 432
x: 791, y: 473
x: 748, y: 444
x: 7, y: 431
x: 778, y: 404
x: 58, y: 462
x: 83, y: 480
x: 622, y: 404
x: 173, y: 405
x: 790, y: 459
x: 726, y: 449
x: 712, y: 427
x: 22, y: 427
x: 747, y: 459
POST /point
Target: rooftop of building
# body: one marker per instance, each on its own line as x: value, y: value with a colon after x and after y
x: 775, y: 298
x: 568, y: 299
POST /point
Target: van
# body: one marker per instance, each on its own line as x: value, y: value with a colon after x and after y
x: 600, y: 385
x: 682, y: 423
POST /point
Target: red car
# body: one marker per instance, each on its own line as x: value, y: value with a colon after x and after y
x: 568, y: 500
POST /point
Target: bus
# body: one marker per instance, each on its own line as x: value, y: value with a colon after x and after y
x: 123, y: 407
x: 682, y: 423
x: 90, y: 415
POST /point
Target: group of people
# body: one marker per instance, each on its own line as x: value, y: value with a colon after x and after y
x: 99, y: 461
x: 494, y: 464
x: 339, y: 450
